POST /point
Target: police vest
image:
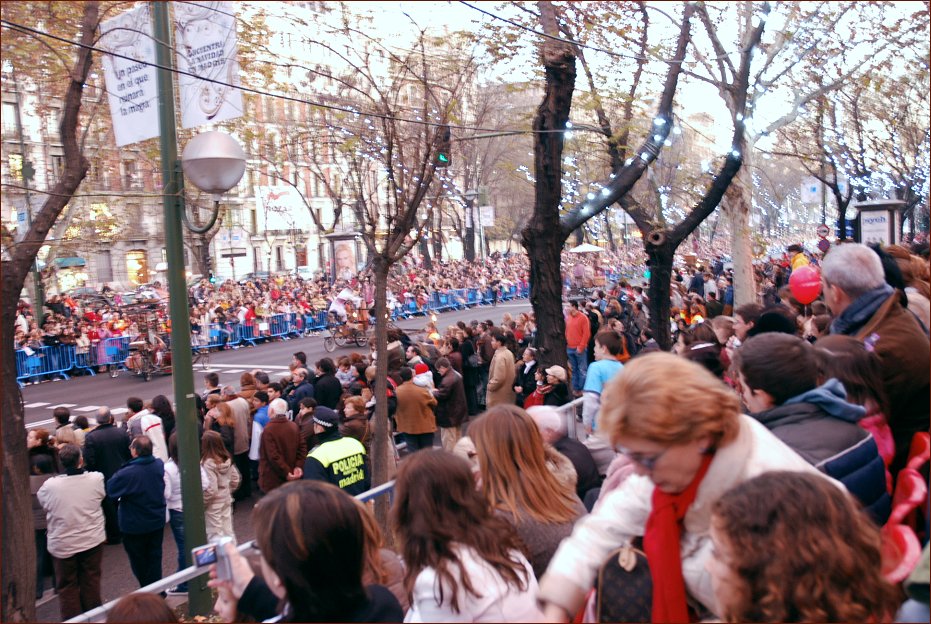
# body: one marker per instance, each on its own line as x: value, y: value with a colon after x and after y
x: 344, y: 461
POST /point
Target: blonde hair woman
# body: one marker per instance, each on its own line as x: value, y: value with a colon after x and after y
x: 683, y: 430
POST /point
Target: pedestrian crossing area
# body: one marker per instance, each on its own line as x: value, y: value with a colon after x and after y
x: 229, y: 375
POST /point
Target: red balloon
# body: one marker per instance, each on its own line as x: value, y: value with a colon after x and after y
x: 805, y: 284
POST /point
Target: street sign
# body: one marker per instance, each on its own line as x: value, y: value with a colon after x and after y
x: 823, y: 230
x: 824, y: 245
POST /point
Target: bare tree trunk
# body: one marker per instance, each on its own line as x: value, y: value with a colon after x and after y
x: 660, y: 259
x: 17, y: 600
x: 382, y: 455
x: 738, y: 214
x: 543, y: 237
x: 612, y: 245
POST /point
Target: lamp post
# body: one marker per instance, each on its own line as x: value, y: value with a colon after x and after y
x: 202, y: 157
x: 469, y: 249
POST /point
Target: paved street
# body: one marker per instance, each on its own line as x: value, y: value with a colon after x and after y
x: 85, y: 394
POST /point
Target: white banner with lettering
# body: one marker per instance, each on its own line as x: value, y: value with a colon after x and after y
x: 205, y: 36
x: 280, y: 208
x: 130, y: 75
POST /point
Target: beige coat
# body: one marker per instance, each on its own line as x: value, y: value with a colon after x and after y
x: 222, y: 481
x: 501, y: 373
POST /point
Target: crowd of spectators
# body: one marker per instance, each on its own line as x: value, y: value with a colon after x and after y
x: 764, y: 426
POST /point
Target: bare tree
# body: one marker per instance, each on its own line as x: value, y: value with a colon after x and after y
x: 402, y: 102
x: 547, y: 230
x: 817, y: 49
x: 18, y: 571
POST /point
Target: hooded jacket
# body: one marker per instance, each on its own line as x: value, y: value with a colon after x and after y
x: 821, y: 426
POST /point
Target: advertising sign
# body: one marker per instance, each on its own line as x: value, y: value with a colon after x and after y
x: 875, y: 226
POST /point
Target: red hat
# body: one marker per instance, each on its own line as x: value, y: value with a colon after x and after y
x: 421, y: 368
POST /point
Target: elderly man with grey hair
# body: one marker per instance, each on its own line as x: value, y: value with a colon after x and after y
x: 553, y: 430
x: 106, y: 449
x: 871, y: 311
x: 282, y: 449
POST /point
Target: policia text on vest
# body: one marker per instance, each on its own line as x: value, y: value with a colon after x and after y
x: 343, y: 464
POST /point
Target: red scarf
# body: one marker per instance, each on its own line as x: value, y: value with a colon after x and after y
x: 661, y: 544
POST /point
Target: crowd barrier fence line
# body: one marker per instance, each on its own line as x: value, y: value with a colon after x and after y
x: 62, y: 359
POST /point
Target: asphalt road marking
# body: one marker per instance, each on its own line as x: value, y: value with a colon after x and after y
x: 89, y: 408
x: 61, y: 405
x: 32, y: 405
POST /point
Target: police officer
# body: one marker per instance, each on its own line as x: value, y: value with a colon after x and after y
x: 336, y: 459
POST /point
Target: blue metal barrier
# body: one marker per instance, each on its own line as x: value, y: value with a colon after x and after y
x: 295, y: 324
x: 279, y: 326
x: 44, y: 361
x: 246, y: 333
x: 113, y: 351
x: 85, y: 359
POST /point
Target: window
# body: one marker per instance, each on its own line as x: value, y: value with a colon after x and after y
x: 15, y: 162
x: 130, y: 175
x: 134, y: 214
x: 104, y: 266
x: 54, y: 118
x: 137, y: 266
x: 279, y: 258
x: 9, y: 117
x: 58, y: 166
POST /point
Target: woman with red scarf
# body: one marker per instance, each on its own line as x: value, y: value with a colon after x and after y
x: 682, y: 430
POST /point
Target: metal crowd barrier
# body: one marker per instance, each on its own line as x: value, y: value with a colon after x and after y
x: 570, y: 412
x: 99, y: 614
x: 44, y: 361
x: 59, y: 360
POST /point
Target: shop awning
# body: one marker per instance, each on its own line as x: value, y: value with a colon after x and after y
x: 69, y: 261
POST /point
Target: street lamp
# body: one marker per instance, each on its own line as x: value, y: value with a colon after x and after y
x: 469, y: 249
x: 213, y: 162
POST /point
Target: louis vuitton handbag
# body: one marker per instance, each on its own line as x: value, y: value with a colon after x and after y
x: 624, y: 589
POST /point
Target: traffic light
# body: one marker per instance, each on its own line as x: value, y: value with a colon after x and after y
x: 443, y: 148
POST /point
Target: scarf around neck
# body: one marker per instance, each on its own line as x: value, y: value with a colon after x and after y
x: 661, y: 544
x: 860, y: 310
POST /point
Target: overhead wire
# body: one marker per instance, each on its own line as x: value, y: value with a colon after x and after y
x: 634, y: 57
x: 246, y: 89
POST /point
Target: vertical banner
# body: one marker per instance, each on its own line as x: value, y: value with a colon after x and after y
x: 486, y: 216
x: 205, y: 36
x: 129, y: 71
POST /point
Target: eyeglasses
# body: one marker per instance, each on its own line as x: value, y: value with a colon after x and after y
x: 647, y: 461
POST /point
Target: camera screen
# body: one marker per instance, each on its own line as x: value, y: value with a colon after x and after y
x: 205, y: 555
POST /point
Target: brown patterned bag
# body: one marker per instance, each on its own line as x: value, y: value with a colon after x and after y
x: 624, y: 590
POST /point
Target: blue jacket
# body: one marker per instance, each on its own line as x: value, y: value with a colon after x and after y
x: 140, y: 488
x: 821, y: 426
x: 302, y: 391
